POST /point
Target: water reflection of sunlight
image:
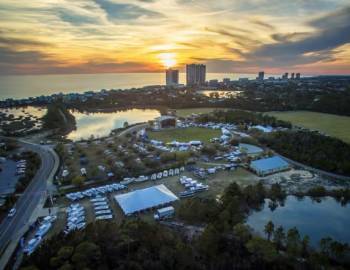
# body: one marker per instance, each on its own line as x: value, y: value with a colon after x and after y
x: 100, y: 124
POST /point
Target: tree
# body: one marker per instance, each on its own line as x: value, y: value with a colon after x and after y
x: 269, y: 229
x: 242, y: 232
x: 305, y: 245
x: 182, y: 157
x: 293, y: 242
x: 58, y: 117
x: 126, y: 124
x: 86, y: 254
x: 325, y: 245
x: 209, y: 150
x: 279, y: 237
x: 167, y: 156
x: 78, y: 181
x: 276, y: 192
x: 262, y: 248
x: 209, y: 242
x: 338, y: 250
x: 234, y: 142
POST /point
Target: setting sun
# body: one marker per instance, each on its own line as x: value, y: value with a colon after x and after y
x: 167, y: 59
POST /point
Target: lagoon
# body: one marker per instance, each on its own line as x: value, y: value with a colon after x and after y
x: 315, y: 219
x: 100, y: 124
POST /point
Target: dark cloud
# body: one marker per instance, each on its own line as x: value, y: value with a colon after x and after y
x: 336, y: 19
x: 331, y: 31
x: 263, y: 24
x: 241, y: 39
x: 116, y: 11
x: 15, y: 42
x: 35, y: 62
x: 291, y: 49
x: 74, y: 18
x: 289, y: 36
x: 23, y: 62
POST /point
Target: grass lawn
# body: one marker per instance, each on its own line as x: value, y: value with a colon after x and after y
x: 184, y: 135
x: 188, y: 112
x: 330, y: 124
x: 221, y: 180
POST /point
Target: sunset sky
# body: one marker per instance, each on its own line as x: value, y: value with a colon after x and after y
x: 240, y: 36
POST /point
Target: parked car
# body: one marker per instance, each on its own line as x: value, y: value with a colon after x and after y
x: 12, y: 212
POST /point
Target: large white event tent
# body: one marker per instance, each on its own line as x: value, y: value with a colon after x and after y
x: 139, y: 200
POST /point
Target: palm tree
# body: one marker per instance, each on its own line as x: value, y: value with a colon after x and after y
x: 338, y: 249
x: 305, y: 245
x: 279, y: 236
x: 269, y: 229
x: 293, y: 242
x: 325, y: 245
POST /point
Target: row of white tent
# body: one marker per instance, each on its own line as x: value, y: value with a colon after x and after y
x: 43, y: 229
x: 101, y: 208
x: 211, y: 125
x: 75, y: 217
x: 92, y: 192
x: 154, y: 176
x: 175, y: 145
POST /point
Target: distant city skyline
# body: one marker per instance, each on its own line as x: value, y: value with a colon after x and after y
x: 172, y: 77
x: 195, y: 74
x: 228, y: 36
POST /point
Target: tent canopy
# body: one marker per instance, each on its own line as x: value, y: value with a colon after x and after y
x: 143, y: 199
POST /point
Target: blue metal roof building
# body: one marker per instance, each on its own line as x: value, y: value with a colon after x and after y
x: 269, y: 165
x: 143, y: 199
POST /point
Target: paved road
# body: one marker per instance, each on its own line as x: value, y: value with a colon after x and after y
x: 26, y: 204
x: 132, y: 129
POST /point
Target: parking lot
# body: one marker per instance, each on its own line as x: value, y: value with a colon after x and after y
x: 8, y: 177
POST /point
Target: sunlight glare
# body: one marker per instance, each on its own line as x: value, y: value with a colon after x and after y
x: 168, y: 59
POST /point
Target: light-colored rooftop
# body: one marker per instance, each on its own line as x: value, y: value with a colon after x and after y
x: 143, y: 199
x: 267, y: 164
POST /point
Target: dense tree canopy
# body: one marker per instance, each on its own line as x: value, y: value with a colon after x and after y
x: 243, y: 118
x: 58, y: 117
x: 311, y: 148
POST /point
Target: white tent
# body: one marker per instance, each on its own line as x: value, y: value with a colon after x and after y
x: 143, y: 199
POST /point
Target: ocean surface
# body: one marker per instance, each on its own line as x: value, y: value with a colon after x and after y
x: 23, y: 86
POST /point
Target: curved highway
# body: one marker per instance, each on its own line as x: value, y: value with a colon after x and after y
x: 12, y: 228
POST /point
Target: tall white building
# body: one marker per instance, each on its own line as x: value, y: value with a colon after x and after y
x: 195, y: 74
x: 172, y: 77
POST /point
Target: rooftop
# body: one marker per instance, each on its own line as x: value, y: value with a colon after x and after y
x: 267, y: 164
x: 143, y: 199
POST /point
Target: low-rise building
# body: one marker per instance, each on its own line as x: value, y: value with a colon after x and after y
x: 266, y: 166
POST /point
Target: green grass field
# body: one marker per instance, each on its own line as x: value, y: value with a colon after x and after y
x: 184, y: 135
x: 330, y: 124
x: 188, y: 112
